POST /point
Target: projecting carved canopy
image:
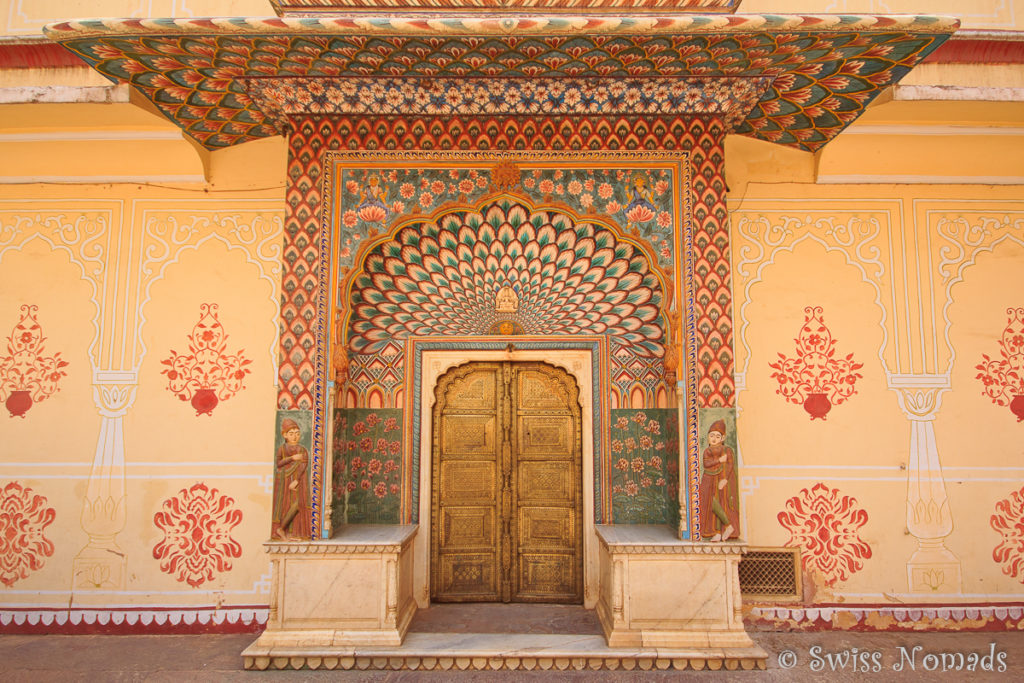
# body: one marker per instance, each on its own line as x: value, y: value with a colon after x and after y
x: 794, y: 80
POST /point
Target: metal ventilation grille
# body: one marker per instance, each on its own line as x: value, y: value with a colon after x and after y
x: 770, y: 574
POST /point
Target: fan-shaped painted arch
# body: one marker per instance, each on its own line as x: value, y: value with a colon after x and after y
x: 442, y: 276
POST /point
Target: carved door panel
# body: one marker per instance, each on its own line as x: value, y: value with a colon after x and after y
x: 507, y: 507
x: 466, y: 539
x: 547, y: 507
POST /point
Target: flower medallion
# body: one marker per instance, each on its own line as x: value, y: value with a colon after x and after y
x: 825, y: 525
x: 1009, y: 522
x: 24, y: 516
x: 197, y: 542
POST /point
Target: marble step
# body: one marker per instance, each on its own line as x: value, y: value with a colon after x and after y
x: 502, y: 652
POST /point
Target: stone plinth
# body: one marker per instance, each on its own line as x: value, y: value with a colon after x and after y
x: 354, y: 589
x: 658, y: 591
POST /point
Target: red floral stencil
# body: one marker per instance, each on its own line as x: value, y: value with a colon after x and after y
x: 1004, y: 377
x: 206, y: 375
x: 824, y: 525
x: 197, y: 541
x: 26, y: 375
x: 1009, y: 522
x: 23, y: 517
x: 815, y: 377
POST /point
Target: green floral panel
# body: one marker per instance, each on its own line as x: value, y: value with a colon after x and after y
x: 367, y: 466
x: 645, y: 466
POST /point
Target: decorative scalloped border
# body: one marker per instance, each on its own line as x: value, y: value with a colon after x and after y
x: 392, y: 662
x: 968, y: 617
x: 128, y: 620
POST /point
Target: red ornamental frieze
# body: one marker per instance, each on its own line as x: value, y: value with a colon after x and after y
x: 825, y: 525
x: 815, y: 377
x: 197, y: 543
x: 1009, y: 522
x: 24, y: 516
x: 27, y: 374
x: 206, y: 375
x: 1003, y: 378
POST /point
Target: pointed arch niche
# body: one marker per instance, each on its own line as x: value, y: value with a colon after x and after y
x: 480, y: 251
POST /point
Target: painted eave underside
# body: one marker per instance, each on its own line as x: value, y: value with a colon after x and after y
x: 789, y: 79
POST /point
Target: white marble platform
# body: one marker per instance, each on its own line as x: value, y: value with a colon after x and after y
x: 663, y: 604
x: 504, y: 651
x: 660, y: 591
x: 350, y: 590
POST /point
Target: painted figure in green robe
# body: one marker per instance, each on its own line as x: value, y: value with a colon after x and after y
x: 719, y: 508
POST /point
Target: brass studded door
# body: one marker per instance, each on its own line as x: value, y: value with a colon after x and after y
x: 506, y: 515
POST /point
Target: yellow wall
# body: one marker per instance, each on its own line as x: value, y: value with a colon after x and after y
x: 27, y: 17
x: 118, y: 273
x: 980, y: 14
x: 915, y: 281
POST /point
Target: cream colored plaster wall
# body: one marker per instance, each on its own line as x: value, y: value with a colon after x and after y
x: 27, y: 17
x: 980, y: 14
x: 152, y: 505
x: 901, y: 482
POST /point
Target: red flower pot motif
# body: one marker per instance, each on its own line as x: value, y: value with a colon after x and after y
x: 825, y: 525
x: 27, y: 375
x: 206, y: 375
x: 18, y: 403
x: 197, y: 542
x: 204, y: 401
x: 815, y: 378
x: 23, y: 518
x: 1017, y: 407
x: 817, y: 405
x: 1003, y: 378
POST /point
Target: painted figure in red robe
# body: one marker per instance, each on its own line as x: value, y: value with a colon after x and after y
x: 290, y: 519
x: 719, y: 509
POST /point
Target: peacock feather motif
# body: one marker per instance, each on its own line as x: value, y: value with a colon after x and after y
x: 443, y: 277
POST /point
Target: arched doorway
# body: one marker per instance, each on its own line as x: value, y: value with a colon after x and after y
x: 506, y: 509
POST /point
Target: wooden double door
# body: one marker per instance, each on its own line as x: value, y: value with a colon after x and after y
x: 506, y: 514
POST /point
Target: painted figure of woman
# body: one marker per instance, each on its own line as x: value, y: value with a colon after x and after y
x: 719, y: 511
x: 290, y: 518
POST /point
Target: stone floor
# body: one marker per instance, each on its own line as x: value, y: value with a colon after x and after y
x: 510, y: 618
x: 791, y: 656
